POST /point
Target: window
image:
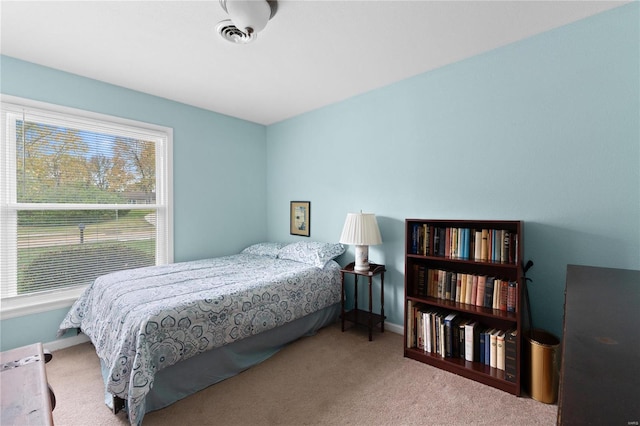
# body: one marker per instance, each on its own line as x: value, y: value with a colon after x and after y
x: 81, y: 195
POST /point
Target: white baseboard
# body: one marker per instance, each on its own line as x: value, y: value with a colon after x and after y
x: 394, y: 328
x: 67, y: 342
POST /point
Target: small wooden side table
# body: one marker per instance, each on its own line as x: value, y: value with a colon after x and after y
x: 358, y: 316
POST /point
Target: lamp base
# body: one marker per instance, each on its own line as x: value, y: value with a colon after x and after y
x: 362, y: 259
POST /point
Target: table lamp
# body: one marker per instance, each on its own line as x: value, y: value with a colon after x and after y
x: 361, y: 230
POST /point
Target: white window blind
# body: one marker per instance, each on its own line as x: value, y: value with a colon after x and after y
x: 81, y: 195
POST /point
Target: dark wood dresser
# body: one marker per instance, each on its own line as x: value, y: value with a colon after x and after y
x: 600, y: 371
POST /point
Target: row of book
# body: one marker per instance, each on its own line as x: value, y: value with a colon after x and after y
x: 480, y: 245
x: 451, y: 335
x: 471, y: 289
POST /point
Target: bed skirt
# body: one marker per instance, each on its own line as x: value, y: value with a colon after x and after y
x: 194, y: 374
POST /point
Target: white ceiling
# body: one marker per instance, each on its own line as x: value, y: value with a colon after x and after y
x: 311, y: 54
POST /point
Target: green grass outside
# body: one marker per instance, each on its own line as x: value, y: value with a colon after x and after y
x: 36, y: 263
x: 133, y: 219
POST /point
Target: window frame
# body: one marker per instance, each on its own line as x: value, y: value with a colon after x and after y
x: 56, y: 299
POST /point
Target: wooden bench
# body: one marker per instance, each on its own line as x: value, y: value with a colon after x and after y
x: 27, y: 398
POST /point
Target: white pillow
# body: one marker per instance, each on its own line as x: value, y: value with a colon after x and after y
x: 311, y: 252
x: 264, y: 249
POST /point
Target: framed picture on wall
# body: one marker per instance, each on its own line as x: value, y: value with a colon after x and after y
x: 300, y: 218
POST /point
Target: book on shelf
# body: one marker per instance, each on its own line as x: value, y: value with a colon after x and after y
x: 500, y: 353
x: 430, y: 329
x: 459, y: 350
x: 449, y: 326
x: 447, y: 285
x: 441, y: 336
x: 421, y: 280
x: 487, y: 346
x: 434, y: 274
x: 452, y: 237
x: 469, y: 245
x: 453, y: 279
x: 482, y: 334
x: 495, y: 300
x: 470, y: 289
x: 492, y: 245
x: 426, y: 249
x: 470, y: 339
x: 477, y: 250
x: 421, y: 239
x: 484, y: 245
x: 493, y: 348
x: 502, y: 300
x: 419, y: 328
x: 481, y: 245
x: 443, y: 242
x: 510, y: 355
x: 474, y: 289
x: 506, y: 243
x: 409, y: 325
x: 482, y: 279
x: 414, y: 239
x: 488, y: 292
x: 450, y: 335
x: 427, y: 331
x: 512, y: 296
x: 435, y: 331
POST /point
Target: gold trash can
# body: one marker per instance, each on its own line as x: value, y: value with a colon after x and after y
x: 544, y: 363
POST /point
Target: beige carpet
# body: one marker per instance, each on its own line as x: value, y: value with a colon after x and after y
x: 332, y: 378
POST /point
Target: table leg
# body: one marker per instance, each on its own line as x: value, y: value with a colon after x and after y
x: 370, y: 310
x: 382, y: 301
x: 355, y: 291
x: 342, y: 300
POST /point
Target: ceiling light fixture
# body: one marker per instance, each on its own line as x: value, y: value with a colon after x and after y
x: 247, y: 19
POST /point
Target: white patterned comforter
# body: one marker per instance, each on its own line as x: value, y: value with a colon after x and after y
x: 143, y: 320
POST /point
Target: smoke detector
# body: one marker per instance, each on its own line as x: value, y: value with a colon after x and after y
x: 231, y: 33
x: 247, y: 18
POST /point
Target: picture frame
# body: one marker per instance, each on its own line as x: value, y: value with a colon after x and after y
x: 300, y: 218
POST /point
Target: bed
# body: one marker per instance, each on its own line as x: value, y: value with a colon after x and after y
x: 165, y: 332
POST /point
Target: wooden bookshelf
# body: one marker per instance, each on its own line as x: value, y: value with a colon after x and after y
x: 452, y: 253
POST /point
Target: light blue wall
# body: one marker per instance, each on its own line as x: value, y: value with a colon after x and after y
x: 545, y: 130
x: 219, y: 170
x: 29, y: 329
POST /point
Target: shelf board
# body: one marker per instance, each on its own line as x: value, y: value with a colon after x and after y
x: 457, y: 260
x: 360, y: 317
x: 463, y: 307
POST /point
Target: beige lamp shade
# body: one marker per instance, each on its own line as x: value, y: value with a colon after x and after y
x: 361, y: 230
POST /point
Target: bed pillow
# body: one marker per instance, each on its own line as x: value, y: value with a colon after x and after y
x: 311, y: 252
x: 264, y: 249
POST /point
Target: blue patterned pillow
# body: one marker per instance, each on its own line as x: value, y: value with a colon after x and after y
x: 264, y: 249
x: 311, y: 252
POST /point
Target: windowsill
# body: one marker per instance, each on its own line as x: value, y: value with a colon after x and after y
x: 33, y: 304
